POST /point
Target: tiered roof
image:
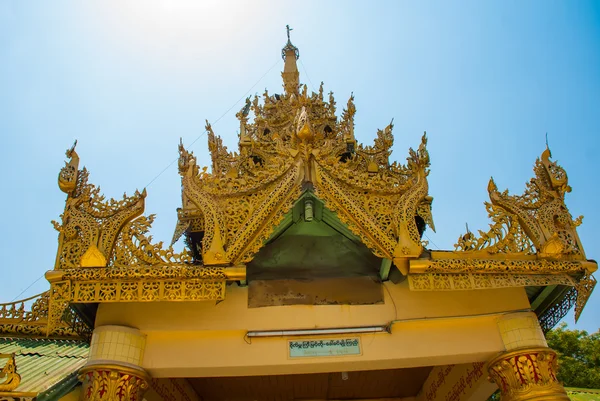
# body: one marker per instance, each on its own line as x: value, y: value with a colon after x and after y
x: 294, y: 147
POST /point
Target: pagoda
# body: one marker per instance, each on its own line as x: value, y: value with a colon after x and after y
x: 304, y: 276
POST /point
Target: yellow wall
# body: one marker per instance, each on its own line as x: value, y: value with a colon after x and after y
x: 192, y: 339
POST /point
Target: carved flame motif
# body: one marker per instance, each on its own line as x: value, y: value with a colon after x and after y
x: 95, y: 232
x: 90, y: 224
x: 536, y: 222
x: 9, y: 377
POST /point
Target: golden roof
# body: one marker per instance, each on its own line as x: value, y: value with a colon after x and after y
x: 291, y: 144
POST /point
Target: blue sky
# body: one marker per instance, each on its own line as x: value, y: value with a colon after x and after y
x: 486, y: 80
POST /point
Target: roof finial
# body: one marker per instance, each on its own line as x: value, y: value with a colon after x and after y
x: 290, y: 73
x: 289, y: 47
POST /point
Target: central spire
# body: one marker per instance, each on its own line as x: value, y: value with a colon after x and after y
x: 290, y: 74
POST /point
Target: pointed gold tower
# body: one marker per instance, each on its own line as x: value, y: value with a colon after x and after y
x: 290, y: 73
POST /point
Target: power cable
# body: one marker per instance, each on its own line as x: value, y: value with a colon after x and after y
x: 173, y: 161
x: 430, y: 240
x: 306, y: 72
x: 218, y: 119
x: 30, y: 285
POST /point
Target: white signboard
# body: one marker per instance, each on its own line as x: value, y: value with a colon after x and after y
x: 326, y: 347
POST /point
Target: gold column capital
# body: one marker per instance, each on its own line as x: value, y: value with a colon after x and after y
x: 111, y: 382
x: 527, y: 374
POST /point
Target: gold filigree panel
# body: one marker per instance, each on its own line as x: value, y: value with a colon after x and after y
x: 513, y: 266
x: 65, y: 292
x: 181, y: 272
x: 473, y: 281
x: 147, y: 291
x: 584, y: 287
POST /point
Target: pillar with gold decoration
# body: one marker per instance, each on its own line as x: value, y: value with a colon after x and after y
x: 113, y: 371
x: 528, y: 368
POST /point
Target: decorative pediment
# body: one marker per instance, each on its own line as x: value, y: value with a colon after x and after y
x: 295, y: 143
x: 106, y: 255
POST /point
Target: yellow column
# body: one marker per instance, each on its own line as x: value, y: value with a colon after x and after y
x: 527, y: 370
x: 113, y: 371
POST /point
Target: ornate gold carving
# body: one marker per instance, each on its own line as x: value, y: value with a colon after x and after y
x: 584, y: 287
x: 105, y: 255
x: 297, y: 143
x: 537, y: 221
x: 58, y: 305
x: 11, y: 379
x: 147, y: 290
x: 505, y: 235
x: 93, y: 257
x: 135, y: 249
x: 469, y: 273
x: 469, y: 281
x: 113, y: 383
x: 524, y: 266
x: 142, y: 272
x: 527, y: 374
x: 119, y: 289
x: 90, y: 225
x: 95, y: 232
x: 15, y: 320
x: 551, y: 316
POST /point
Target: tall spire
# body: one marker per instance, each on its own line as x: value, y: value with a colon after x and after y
x: 290, y: 73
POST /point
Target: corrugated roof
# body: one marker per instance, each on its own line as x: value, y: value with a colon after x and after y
x: 42, y: 363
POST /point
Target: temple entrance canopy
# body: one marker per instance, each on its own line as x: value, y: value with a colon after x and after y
x: 305, y: 274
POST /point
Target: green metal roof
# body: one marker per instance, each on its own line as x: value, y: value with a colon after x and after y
x: 43, y: 363
x: 583, y: 394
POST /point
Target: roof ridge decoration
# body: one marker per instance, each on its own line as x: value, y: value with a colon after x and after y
x: 105, y: 255
x: 9, y: 373
x: 295, y: 143
x: 533, y: 233
x: 95, y: 232
x: 16, y: 320
x: 537, y: 222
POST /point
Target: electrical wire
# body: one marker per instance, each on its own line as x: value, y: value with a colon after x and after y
x: 216, y: 121
x: 306, y: 72
x: 430, y: 240
x: 28, y: 287
x: 393, y: 302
